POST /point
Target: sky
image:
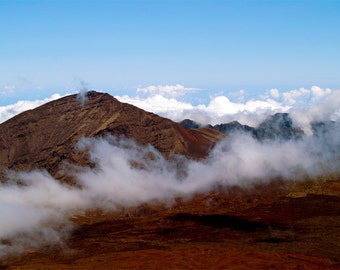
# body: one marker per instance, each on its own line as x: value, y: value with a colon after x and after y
x: 189, y: 52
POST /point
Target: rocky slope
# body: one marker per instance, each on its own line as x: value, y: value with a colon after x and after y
x: 46, y: 136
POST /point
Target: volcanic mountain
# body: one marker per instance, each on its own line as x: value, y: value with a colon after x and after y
x: 46, y: 136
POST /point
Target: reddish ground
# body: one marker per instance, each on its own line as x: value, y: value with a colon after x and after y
x: 268, y: 227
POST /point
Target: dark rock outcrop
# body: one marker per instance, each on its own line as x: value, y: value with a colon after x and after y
x: 187, y: 123
x: 235, y: 127
x: 279, y: 127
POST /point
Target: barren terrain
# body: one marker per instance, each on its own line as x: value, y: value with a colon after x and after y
x: 272, y: 226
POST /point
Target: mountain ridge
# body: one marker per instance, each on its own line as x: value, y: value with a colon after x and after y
x: 278, y: 126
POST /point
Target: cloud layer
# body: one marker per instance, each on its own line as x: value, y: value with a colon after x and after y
x: 305, y: 105
x: 175, y: 102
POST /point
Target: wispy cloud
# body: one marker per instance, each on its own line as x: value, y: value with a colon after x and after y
x: 7, y: 90
x: 82, y: 89
x: 171, y: 91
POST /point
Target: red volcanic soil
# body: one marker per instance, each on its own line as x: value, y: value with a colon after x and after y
x: 273, y: 226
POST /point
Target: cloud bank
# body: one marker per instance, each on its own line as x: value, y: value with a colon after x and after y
x: 175, y: 102
x: 305, y: 105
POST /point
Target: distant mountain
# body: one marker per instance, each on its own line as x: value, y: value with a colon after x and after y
x: 223, y: 128
x: 46, y: 136
x: 235, y: 127
x: 323, y: 128
x: 188, y: 123
x: 279, y: 126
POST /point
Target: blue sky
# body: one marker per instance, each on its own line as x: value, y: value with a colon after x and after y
x: 117, y: 46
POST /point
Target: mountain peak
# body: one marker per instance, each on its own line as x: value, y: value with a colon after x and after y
x: 46, y: 136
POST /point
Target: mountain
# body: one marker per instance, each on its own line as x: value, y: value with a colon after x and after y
x: 323, y: 129
x: 188, y: 123
x: 46, y: 136
x: 235, y: 127
x: 278, y: 126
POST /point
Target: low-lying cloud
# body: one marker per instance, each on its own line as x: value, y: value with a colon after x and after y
x: 36, y: 208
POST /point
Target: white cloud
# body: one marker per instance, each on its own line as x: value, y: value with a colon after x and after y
x: 9, y: 111
x: 291, y: 97
x: 164, y: 101
x: 166, y: 107
x: 319, y: 92
x: 327, y: 108
x: 8, y: 89
x: 219, y: 110
x: 303, y: 95
x: 275, y: 93
x: 82, y: 89
x: 166, y: 90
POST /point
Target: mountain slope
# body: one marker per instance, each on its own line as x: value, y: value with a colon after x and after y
x: 46, y: 136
